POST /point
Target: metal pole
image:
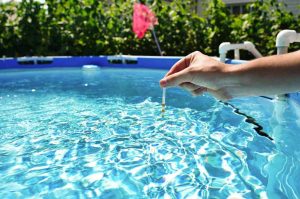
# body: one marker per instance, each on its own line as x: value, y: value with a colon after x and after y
x: 156, y: 41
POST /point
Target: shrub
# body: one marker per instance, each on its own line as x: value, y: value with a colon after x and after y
x: 92, y: 27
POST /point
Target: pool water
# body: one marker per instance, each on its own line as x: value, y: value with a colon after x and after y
x: 68, y: 133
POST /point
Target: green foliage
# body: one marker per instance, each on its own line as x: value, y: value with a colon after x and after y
x: 180, y: 31
x: 93, y: 27
x: 218, y: 20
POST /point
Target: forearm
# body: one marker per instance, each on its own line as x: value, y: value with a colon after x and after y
x: 269, y: 75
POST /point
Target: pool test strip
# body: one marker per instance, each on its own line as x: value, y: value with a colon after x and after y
x: 163, y: 102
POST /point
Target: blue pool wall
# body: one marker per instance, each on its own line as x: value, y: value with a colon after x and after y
x: 148, y: 62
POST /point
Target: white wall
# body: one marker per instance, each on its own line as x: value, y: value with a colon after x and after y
x: 292, y: 5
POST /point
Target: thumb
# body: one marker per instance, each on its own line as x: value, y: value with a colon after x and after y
x: 176, y: 78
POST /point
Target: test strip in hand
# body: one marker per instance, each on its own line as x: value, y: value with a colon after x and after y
x: 163, y: 103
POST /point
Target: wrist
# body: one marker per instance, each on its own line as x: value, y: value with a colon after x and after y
x: 234, y: 73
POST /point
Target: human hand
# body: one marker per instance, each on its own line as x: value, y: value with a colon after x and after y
x: 198, y: 73
x: 272, y: 75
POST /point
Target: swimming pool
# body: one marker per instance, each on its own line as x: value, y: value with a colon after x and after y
x: 72, y: 133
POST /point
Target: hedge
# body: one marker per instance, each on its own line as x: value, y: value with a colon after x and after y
x: 92, y: 27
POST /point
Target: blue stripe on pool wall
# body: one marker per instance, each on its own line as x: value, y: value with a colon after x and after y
x: 122, y: 61
x: 49, y: 62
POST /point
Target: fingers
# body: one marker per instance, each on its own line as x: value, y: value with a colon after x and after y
x: 178, y: 73
x: 199, y: 91
x: 181, y: 64
x: 220, y: 94
x: 176, y: 79
x: 196, y: 90
x: 189, y: 86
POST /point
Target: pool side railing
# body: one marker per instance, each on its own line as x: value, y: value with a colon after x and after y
x: 227, y: 46
x: 283, y: 41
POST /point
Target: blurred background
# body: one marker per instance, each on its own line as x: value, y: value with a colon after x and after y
x: 92, y: 27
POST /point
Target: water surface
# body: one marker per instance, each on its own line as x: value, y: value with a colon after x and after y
x: 87, y: 134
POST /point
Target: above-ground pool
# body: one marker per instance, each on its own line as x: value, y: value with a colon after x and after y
x: 72, y: 133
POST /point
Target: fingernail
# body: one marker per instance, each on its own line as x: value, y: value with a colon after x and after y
x: 163, y: 83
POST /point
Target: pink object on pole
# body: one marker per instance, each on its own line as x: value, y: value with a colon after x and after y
x: 143, y: 19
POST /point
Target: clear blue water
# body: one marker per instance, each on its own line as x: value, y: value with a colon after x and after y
x: 69, y: 133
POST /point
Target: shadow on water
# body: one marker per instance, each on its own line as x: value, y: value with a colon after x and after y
x: 258, y: 128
